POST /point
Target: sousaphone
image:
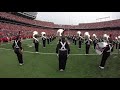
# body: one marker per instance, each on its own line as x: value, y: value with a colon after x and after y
x: 100, y: 47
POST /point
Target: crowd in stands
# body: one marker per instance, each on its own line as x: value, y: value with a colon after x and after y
x: 99, y: 33
x: 8, y: 30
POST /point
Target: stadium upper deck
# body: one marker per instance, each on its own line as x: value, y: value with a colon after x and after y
x: 106, y: 24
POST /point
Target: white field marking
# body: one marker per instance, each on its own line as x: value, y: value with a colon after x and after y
x: 30, y: 46
x: 55, y: 53
x: 4, y: 44
x: 114, y: 56
x: 26, y: 39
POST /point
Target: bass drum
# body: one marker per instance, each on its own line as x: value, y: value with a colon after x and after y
x: 100, y: 47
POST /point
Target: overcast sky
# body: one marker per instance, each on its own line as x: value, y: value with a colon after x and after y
x: 74, y: 18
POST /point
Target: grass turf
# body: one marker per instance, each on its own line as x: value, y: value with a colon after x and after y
x: 46, y: 65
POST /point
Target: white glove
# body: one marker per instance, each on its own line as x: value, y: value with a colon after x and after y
x: 57, y: 54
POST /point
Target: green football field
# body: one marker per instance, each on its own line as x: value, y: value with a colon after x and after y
x: 45, y: 63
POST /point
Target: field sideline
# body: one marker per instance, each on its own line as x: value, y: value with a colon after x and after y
x: 45, y: 63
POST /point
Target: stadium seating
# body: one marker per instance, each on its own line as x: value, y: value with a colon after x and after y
x: 10, y: 30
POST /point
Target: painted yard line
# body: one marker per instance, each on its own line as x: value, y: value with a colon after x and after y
x: 5, y: 44
x: 12, y: 42
x: 31, y: 43
x: 55, y: 53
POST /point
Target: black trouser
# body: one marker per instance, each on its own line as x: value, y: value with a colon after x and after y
x: 80, y: 42
x: 104, y: 58
x: 36, y: 47
x: 94, y: 45
x: 87, y: 49
x: 75, y: 42
x: 52, y: 39
x: 112, y: 48
x: 116, y: 45
x: 62, y: 59
x: 119, y: 46
x: 48, y: 41
x: 44, y: 43
x: 19, y: 55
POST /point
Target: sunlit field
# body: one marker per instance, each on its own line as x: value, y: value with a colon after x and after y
x: 45, y: 63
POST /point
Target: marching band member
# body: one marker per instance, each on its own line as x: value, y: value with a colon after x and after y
x: 88, y: 43
x: 18, y: 50
x: 48, y: 39
x: 119, y: 43
x: 110, y: 40
x: 62, y: 50
x: 80, y: 41
x: 36, y: 43
x: 95, y: 40
x: 105, y: 54
x: 44, y: 40
x: 113, y: 44
x: 75, y: 40
x: 116, y: 42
